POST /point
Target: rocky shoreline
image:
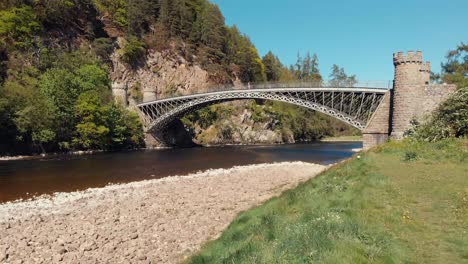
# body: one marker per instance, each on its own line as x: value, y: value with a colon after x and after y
x: 153, y: 221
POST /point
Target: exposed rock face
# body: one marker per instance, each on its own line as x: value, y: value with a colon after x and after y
x: 241, y: 128
x: 160, y: 75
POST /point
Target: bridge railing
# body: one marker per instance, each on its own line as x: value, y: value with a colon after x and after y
x: 272, y: 85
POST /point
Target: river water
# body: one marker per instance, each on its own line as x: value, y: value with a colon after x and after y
x: 28, y: 178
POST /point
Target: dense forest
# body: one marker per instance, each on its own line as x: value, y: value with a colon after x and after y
x: 55, y: 89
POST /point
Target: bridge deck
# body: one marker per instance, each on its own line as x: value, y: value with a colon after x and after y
x: 278, y: 89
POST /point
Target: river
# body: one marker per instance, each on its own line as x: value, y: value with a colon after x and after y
x: 23, y: 179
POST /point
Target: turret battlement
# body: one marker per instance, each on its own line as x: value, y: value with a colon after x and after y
x: 426, y: 67
x: 411, y: 57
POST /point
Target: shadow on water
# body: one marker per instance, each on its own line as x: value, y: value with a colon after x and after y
x: 28, y: 178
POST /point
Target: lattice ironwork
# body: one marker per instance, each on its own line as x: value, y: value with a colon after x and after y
x: 354, y: 106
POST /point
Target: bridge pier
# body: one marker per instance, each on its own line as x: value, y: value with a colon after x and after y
x: 378, y: 129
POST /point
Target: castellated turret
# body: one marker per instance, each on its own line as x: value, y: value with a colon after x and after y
x: 413, y: 94
x: 411, y: 69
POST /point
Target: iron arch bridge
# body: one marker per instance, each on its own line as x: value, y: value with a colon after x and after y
x: 354, y: 106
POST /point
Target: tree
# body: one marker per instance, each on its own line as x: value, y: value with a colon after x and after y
x: 314, y: 69
x: 338, y: 78
x: 455, y: 70
x: 140, y: 15
x: 90, y: 129
x: 117, y: 9
x: 132, y: 51
x: 307, y: 69
x: 273, y: 67
x: 17, y: 26
x: 103, y: 47
x: 62, y: 88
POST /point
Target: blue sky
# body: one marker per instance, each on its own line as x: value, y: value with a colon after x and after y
x: 359, y: 35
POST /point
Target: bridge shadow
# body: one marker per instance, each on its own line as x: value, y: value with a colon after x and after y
x: 174, y: 135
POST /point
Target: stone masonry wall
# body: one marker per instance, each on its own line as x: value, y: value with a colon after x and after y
x: 433, y: 96
x: 378, y: 129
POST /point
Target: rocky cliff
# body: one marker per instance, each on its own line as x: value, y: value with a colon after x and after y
x: 159, y: 74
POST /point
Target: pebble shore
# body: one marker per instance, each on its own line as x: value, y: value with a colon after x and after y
x: 154, y: 221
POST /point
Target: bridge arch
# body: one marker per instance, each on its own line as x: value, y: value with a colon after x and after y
x: 354, y: 106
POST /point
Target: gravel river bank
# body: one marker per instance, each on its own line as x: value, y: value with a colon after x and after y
x: 153, y: 221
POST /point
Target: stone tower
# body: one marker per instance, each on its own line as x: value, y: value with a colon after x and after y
x: 412, y: 79
x: 413, y: 96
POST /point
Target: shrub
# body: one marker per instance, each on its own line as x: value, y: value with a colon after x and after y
x: 449, y: 120
x: 410, y: 156
x: 136, y: 92
x: 133, y: 51
x: 103, y: 48
x: 17, y: 25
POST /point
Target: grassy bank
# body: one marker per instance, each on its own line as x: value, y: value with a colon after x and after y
x: 401, y: 203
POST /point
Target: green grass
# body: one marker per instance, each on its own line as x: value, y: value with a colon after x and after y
x: 400, y: 203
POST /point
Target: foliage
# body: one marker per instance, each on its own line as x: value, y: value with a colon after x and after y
x: 336, y: 218
x: 136, y: 92
x: 103, y: 47
x: 455, y: 70
x: 207, y: 116
x: 115, y: 8
x: 273, y: 67
x: 306, y: 69
x: 17, y: 26
x: 132, y: 51
x: 410, y: 156
x: 338, y: 78
x: 449, y: 120
x: 305, y: 124
x: 67, y: 106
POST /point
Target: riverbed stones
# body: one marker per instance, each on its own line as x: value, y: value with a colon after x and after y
x: 155, y: 221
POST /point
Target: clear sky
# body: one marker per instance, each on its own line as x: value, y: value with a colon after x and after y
x: 359, y: 35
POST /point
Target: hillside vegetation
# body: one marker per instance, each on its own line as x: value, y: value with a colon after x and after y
x: 55, y: 59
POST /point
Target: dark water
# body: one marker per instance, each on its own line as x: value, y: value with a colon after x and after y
x: 28, y: 178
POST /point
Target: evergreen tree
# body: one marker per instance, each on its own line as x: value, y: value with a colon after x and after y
x: 273, y: 67
x: 307, y: 69
x: 338, y: 78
